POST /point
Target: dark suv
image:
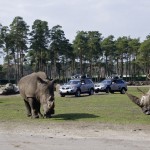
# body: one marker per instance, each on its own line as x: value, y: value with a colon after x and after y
x: 111, y: 85
x: 77, y: 87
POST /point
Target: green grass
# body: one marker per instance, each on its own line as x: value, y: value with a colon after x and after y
x: 104, y: 108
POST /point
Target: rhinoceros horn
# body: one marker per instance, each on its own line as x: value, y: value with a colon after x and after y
x: 141, y: 91
x: 134, y: 99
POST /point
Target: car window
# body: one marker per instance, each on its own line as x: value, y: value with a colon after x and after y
x: 88, y: 81
x: 119, y: 82
x: 106, y: 82
x: 73, y: 82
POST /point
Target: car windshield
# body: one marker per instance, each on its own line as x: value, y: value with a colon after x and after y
x: 73, y: 82
x: 106, y: 82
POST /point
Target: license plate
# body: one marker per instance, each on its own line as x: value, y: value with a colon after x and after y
x: 64, y: 91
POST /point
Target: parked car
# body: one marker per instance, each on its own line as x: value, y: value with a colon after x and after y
x: 77, y: 86
x: 111, y: 85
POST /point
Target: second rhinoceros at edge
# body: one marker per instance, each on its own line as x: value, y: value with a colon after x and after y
x: 143, y: 102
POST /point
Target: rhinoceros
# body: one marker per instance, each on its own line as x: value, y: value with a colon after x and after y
x: 143, y: 102
x: 37, y: 90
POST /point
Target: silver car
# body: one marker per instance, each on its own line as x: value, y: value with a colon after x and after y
x: 77, y: 87
x: 111, y: 85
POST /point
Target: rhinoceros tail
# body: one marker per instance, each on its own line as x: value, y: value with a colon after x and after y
x: 134, y: 99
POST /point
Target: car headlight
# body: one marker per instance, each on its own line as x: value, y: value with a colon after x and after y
x: 102, y: 86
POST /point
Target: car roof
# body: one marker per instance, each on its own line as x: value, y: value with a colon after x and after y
x: 107, y: 79
x: 79, y: 79
x: 111, y: 79
x: 75, y: 80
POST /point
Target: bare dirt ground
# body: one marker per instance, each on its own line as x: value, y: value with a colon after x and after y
x: 73, y: 136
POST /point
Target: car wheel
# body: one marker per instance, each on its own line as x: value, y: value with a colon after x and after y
x: 96, y: 91
x: 78, y: 93
x: 112, y: 92
x: 91, y: 92
x: 123, y: 91
x: 107, y: 90
x: 62, y: 95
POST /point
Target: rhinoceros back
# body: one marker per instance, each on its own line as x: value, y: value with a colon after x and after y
x: 28, y: 84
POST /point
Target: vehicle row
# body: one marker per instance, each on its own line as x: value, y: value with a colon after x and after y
x: 80, y: 86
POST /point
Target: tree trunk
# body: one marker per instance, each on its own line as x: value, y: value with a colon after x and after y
x: 81, y: 70
x: 122, y: 67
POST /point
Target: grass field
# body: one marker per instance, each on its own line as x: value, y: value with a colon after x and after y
x: 104, y: 108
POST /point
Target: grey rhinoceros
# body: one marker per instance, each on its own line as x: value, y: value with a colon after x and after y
x: 143, y: 102
x: 37, y: 90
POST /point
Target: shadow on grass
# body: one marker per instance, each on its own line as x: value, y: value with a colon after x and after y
x: 115, y: 93
x: 74, y: 116
x: 101, y: 93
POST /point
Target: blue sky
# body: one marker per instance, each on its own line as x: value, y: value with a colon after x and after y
x: 109, y: 17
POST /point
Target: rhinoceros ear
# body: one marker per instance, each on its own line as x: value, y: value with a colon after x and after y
x: 40, y: 80
x: 134, y: 99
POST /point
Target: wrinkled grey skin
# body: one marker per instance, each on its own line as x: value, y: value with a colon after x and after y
x: 37, y: 90
x: 143, y: 102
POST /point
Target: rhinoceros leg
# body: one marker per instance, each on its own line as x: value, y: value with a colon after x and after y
x: 38, y: 109
x: 28, y: 108
x: 34, y: 107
